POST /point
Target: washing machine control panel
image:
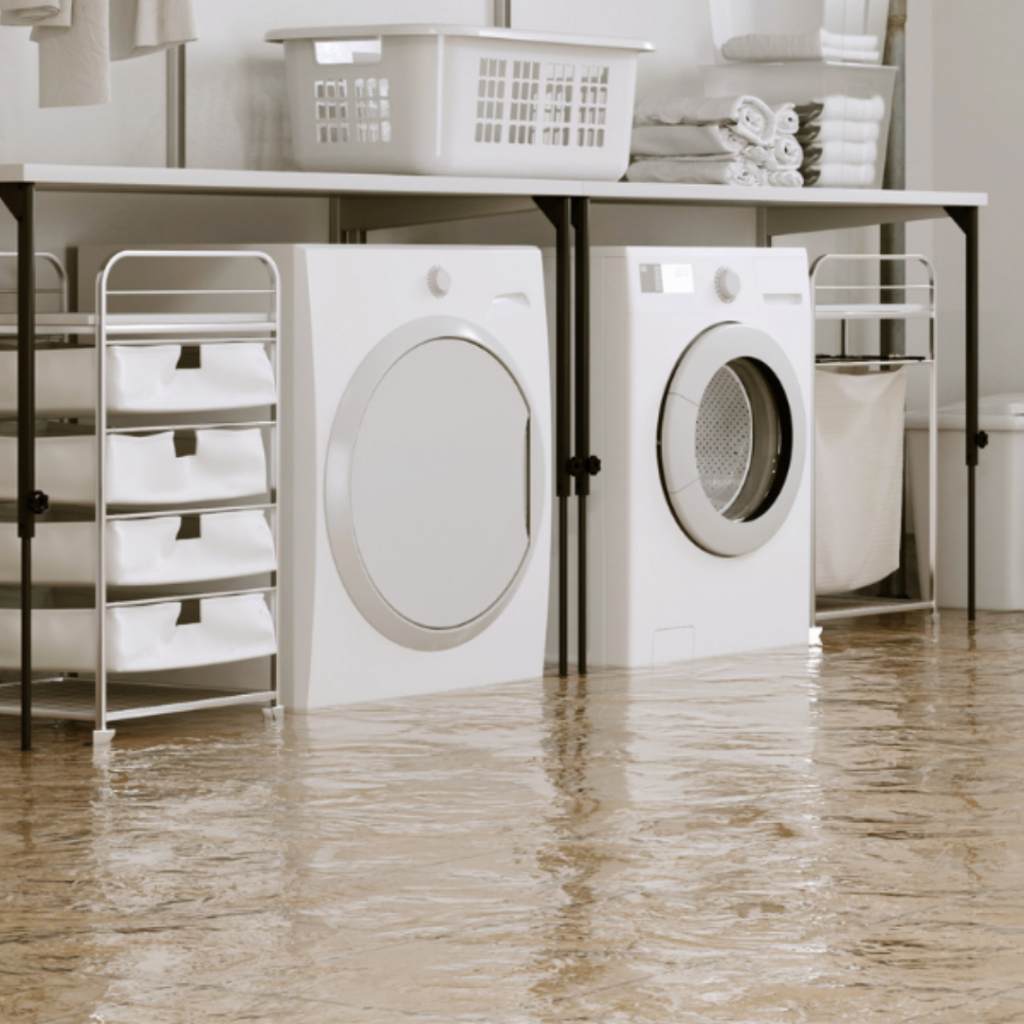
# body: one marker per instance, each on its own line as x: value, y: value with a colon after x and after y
x: 727, y: 284
x: 439, y: 281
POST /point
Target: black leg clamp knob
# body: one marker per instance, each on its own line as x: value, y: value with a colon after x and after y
x: 574, y: 466
x: 593, y: 465
x: 982, y: 439
x: 38, y: 502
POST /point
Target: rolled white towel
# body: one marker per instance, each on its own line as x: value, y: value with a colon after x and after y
x: 818, y: 44
x: 847, y: 152
x: 786, y: 179
x: 787, y: 121
x: 141, y: 27
x: 788, y: 153
x: 685, y: 140
x: 842, y: 131
x: 690, y: 170
x: 54, y: 13
x: 747, y: 115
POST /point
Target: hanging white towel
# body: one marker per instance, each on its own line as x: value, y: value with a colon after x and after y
x: 697, y: 170
x: 74, y: 62
x: 55, y: 13
x: 859, y: 420
x: 141, y: 27
x: 747, y: 115
x: 685, y: 140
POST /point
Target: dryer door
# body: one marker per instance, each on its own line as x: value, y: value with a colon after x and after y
x: 732, y: 439
x: 434, y: 474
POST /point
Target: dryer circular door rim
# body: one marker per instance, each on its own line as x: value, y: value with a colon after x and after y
x: 338, y: 483
x: 756, y: 369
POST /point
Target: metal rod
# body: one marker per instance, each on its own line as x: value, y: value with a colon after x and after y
x: 26, y: 441
x: 581, y: 224
x: 176, y: 79
x: 563, y: 408
x: 894, y: 236
x: 972, y: 379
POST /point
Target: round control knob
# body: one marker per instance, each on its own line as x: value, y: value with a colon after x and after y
x: 439, y: 281
x: 727, y: 284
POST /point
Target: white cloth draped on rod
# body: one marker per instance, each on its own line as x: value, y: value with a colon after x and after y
x: 79, y: 38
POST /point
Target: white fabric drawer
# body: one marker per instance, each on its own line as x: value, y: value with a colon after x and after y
x: 145, y: 379
x: 145, y: 470
x: 144, y: 638
x: 144, y: 552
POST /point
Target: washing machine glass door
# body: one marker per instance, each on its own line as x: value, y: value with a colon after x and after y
x: 429, y: 481
x: 731, y: 439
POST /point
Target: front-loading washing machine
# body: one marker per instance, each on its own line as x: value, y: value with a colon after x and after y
x: 700, y: 522
x: 418, y: 523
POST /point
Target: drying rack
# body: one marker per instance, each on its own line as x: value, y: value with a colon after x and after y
x: 859, y: 302
x: 132, y: 319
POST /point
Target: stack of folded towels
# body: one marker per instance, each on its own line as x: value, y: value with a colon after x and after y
x: 716, y: 140
x: 841, y: 138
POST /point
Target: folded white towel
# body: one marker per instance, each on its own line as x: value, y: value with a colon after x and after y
x: 840, y: 176
x: 747, y: 115
x: 55, y: 13
x: 852, y: 108
x: 787, y: 121
x: 695, y: 170
x: 140, y: 27
x: 842, y: 131
x: 847, y: 152
x: 74, y: 62
x: 818, y: 44
x: 685, y: 140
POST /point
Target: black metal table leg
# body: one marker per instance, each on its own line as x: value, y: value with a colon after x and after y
x: 966, y: 217
x: 558, y: 210
x: 584, y: 464
x: 20, y: 200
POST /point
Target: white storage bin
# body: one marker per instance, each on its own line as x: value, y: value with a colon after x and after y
x: 144, y: 638
x: 850, y: 94
x: 731, y: 19
x: 227, y: 464
x: 145, y: 379
x: 999, y: 574
x: 456, y: 100
x: 144, y: 552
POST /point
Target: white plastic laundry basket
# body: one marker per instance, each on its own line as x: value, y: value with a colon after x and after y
x: 450, y: 99
x: 150, y: 379
x: 144, y: 470
x: 145, y: 638
x: 145, y: 552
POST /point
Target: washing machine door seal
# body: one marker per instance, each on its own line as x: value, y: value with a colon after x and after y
x: 732, y: 439
x: 434, y: 474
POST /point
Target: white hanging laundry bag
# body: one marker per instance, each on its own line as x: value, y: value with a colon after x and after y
x: 859, y: 427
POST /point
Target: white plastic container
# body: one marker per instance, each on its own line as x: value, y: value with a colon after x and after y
x: 458, y: 100
x: 144, y: 552
x: 846, y: 90
x: 145, y: 379
x: 145, y: 470
x: 143, y: 638
x: 733, y: 18
x: 1000, y: 502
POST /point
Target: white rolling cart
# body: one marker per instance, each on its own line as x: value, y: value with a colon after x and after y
x: 157, y: 468
x: 845, y: 302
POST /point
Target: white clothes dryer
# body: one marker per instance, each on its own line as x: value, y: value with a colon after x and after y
x: 418, y: 524
x: 699, y: 524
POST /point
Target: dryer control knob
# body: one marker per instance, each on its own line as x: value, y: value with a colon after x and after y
x: 439, y: 281
x: 727, y: 284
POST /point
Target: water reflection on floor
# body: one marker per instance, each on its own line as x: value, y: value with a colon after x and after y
x: 833, y: 835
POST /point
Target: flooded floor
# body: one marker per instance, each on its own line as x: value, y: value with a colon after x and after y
x: 823, y: 836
